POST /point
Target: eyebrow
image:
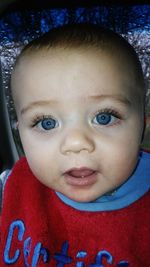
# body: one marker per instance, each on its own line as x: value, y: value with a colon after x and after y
x: 44, y: 103
x: 118, y: 98
x: 38, y: 103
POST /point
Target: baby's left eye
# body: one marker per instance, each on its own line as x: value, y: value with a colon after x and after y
x: 105, y: 118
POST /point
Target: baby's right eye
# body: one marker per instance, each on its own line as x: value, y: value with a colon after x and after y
x: 46, y: 124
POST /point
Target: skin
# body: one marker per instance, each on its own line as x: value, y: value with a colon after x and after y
x: 72, y: 86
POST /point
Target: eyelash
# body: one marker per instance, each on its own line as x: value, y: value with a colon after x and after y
x: 109, y: 111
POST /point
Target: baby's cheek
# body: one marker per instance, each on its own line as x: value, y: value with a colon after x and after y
x: 121, y: 157
x: 126, y: 163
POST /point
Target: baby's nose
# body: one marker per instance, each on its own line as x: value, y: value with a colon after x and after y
x: 76, y: 141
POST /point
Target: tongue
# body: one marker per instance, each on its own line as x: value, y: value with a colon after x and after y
x: 80, y: 173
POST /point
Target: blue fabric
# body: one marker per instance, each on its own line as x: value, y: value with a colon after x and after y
x: 132, y: 190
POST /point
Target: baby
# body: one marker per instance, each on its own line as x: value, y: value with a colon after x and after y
x: 80, y: 196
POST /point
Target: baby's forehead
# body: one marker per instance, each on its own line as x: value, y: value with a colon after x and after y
x: 35, y: 59
x: 72, y: 56
x: 79, y: 57
x: 49, y: 54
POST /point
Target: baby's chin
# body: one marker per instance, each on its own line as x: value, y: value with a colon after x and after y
x: 83, y: 198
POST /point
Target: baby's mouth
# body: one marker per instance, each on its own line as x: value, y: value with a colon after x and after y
x: 80, y: 176
x: 80, y: 173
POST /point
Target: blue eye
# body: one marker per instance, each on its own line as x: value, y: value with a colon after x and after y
x: 104, y: 118
x: 47, y: 124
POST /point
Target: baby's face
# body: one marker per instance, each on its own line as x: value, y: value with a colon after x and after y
x: 79, y: 120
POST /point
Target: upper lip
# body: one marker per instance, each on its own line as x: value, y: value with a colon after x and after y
x: 80, y: 172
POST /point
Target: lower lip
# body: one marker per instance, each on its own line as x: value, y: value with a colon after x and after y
x: 83, y: 181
